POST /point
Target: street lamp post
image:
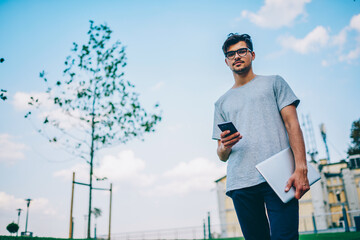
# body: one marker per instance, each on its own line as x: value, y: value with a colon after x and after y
x: 18, y: 222
x: 27, y: 213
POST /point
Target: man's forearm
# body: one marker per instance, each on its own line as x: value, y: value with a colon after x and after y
x: 298, y: 147
x: 298, y: 179
x: 226, y: 143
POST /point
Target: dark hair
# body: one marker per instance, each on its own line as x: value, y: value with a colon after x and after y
x: 234, y: 38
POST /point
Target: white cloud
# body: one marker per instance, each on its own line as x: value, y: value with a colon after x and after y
x: 81, y: 170
x: 355, y: 22
x: 9, y: 202
x: 48, y: 109
x: 65, y: 120
x: 340, y: 39
x: 158, y: 86
x: 40, y: 205
x: 10, y: 151
x: 352, y: 55
x: 325, y: 63
x: 196, y: 175
x: 277, y: 13
x: 313, y: 41
x: 122, y: 168
x: 21, y: 100
x: 319, y: 38
x: 196, y: 167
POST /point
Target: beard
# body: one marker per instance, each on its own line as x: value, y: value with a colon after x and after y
x: 244, y: 70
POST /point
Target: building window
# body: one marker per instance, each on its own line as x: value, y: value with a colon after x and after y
x: 338, y: 195
x: 354, y: 162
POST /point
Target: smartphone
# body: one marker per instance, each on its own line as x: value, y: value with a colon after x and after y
x: 227, y: 126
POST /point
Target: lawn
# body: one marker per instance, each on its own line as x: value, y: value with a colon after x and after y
x: 332, y: 236
x: 319, y: 236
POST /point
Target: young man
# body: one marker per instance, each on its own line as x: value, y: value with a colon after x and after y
x: 263, y: 109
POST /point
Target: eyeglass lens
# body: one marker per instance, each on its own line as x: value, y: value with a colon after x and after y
x: 241, y: 52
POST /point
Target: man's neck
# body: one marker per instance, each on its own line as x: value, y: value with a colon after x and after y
x: 243, y: 78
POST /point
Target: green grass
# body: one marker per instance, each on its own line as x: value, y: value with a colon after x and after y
x: 319, y: 236
x: 332, y: 236
x: 31, y: 238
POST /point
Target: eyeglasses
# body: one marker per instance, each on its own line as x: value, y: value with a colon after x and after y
x: 241, y: 52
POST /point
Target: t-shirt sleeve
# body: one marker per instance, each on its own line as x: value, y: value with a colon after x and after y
x: 218, y: 118
x: 283, y: 93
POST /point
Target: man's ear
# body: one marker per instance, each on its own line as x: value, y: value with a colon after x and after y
x: 253, y: 55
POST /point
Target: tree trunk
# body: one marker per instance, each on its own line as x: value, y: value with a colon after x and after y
x: 91, y: 165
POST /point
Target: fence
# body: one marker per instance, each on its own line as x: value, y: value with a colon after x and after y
x: 328, y: 222
x: 331, y: 222
x: 175, y: 233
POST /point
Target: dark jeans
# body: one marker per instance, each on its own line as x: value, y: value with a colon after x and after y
x: 250, y: 209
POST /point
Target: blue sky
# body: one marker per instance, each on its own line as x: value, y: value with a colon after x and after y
x: 174, y: 57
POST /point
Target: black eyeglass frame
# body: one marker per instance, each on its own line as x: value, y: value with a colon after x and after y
x: 238, y: 52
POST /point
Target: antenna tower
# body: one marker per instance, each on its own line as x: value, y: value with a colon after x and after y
x: 309, y: 138
x: 323, y: 134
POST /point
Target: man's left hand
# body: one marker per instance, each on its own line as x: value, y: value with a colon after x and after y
x: 299, y: 181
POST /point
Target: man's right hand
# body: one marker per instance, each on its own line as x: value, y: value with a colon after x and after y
x: 226, y: 143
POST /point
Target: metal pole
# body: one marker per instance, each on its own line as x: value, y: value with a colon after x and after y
x: 314, y: 223
x: 209, y: 225
x: 345, y: 219
x: 19, y: 212
x: 71, y: 207
x: 72, y: 229
x: 204, y: 226
x: 95, y: 230
x: 85, y: 219
x: 110, y: 212
x: 27, y: 213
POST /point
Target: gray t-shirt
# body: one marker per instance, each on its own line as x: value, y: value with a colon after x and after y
x: 254, y: 109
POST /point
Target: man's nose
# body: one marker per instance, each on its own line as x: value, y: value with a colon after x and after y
x: 237, y: 56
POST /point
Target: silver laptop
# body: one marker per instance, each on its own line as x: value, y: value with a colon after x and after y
x: 278, y: 169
